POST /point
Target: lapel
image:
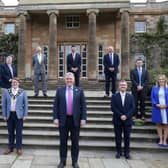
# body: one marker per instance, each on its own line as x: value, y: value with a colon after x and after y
x: 64, y: 94
x: 143, y: 73
x: 136, y: 72
x: 74, y: 95
x: 119, y: 99
x: 126, y: 99
x: 108, y: 57
x: 8, y: 70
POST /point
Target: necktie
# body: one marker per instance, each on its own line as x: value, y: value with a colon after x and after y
x: 73, y: 56
x: 139, y: 75
x: 69, y: 110
x: 111, y: 58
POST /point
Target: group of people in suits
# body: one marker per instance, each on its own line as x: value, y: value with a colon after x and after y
x: 69, y: 108
x: 126, y: 107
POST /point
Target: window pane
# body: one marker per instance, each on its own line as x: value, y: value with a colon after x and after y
x: 9, y: 28
x: 140, y: 27
x: 72, y: 21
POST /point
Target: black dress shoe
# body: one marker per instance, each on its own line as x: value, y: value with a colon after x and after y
x: 127, y: 156
x: 75, y: 165
x: 45, y: 95
x: 118, y: 155
x: 61, y: 165
x: 36, y: 95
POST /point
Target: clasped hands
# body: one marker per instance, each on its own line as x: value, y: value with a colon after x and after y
x: 56, y: 122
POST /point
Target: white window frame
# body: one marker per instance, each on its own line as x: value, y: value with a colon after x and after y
x: 100, y: 65
x: 140, y: 26
x: 8, y: 30
x: 72, y: 22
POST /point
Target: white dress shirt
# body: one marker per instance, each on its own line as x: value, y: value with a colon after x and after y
x: 123, y: 97
x: 39, y: 58
x: 13, y: 100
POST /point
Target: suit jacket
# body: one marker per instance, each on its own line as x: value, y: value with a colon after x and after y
x: 118, y: 109
x: 135, y: 78
x: 79, y: 106
x: 74, y: 63
x: 6, y: 75
x: 21, y: 103
x: 156, y: 112
x: 39, y: 68
x: 107, y: 63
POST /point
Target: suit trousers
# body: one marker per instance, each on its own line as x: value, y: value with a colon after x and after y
x: 113, y: 77
x: 77, y: 78
x: 14, y: 124
x: 74, y: 135
x: 139, y: 98
x: 36, y: 83
x: 126, y: 129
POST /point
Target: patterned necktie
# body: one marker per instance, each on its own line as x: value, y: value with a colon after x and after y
x: 69, y: 111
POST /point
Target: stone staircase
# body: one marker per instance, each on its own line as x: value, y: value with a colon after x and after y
x: 98, y: 134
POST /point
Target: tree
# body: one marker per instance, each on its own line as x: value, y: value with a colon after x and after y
x: 9, y: 45
x: 161, y: 25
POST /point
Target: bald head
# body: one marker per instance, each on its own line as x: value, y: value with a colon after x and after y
x: 110, y: 49
x: 38, y: 49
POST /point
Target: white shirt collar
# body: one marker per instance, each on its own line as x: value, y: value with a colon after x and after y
x: 122, y: 93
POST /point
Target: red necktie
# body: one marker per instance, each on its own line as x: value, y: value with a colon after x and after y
x: 69, y: 111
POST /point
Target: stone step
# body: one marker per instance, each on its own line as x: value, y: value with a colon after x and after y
x: 96, y: 120
x: 88, y: 127
x: 90, y: 145
x: 91, y: 136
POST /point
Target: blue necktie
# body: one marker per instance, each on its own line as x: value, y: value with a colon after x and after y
x: 139, y: 75
x: 111, y: 58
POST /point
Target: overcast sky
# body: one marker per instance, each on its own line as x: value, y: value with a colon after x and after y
x: 14, y: 2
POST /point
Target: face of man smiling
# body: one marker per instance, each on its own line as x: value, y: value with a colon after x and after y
x: 69, y: 80
x: 123, y: 86
x: 15, y: 84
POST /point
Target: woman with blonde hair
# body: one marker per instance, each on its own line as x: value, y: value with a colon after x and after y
x: 159, y: 98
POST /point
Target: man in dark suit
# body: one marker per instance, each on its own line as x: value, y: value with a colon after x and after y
x: 69, y: 113
x: 139, y: 79
x: 74, y: 64
x: 39, y: 65
x: 111, y: 62
x: 122, y: 106
x: 8, y: 72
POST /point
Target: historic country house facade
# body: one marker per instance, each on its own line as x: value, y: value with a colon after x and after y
x: 91, y: 25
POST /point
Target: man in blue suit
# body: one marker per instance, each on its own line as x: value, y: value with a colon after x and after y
x: 69, y: 113
x: 139, y: 79
x: 122, y: 106
x: 8, y: 71
x: 74, y: 64
x: 111, y: 62
x: 14, y: 111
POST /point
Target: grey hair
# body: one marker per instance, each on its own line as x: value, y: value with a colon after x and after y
x: 69, y: 74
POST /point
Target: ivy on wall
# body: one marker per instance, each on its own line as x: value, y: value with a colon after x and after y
x: 9, y: 45
x: 154, y: 45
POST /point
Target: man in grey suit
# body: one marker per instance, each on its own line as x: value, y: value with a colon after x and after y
x: 14, y: 111
x: 39, y: 65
